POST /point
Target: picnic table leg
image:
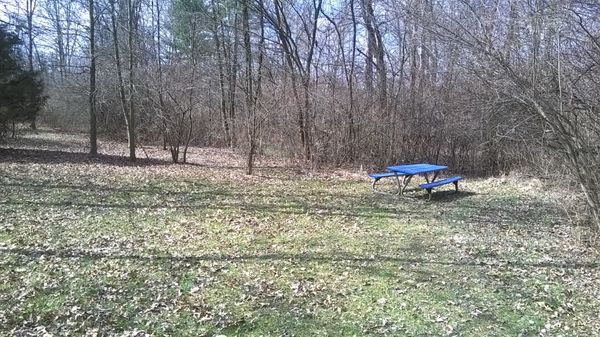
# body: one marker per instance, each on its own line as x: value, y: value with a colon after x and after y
x: 405, y: 183
x: 375, y: 180
x: 373, y: 185
x: 456, y: 187
x: 399, y: 185
x: 429, y: 194
x: 435, y: 175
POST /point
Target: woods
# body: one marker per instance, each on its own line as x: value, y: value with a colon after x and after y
x: 487, y: 87
x: 299, y: 168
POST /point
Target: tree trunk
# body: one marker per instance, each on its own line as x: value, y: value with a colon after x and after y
x: 233, y: 81
x: 121, y: 83
x: 351, y: 128
x: 131, y: 129
x: 369, y: 56
x: 188, y: 137
x: 92, y: 93
x: 251, y: 113
x: 30, y: 11
x: 220, y: 67
x: 161, y: 99
x: 59, y: 37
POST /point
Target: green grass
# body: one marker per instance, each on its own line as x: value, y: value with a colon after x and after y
x: 191, y: 251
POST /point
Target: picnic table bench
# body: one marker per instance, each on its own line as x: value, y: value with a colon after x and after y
x: 409, y: 171
x: 429, y: 186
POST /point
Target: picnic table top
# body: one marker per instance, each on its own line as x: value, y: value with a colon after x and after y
x: 416, y: 168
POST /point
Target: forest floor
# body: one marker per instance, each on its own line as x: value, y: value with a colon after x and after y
x: 99, y: 247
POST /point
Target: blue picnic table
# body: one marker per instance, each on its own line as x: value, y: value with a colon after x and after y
x: 407, y: 171
x: 410, y: 170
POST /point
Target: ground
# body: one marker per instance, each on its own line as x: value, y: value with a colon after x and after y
x: 101, y: 248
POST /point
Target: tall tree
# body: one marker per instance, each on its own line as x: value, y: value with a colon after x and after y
x: 298, y: 61
x: 30, y: 11
x: 92, y: 93
x: 131, y: 8
x: 161, y: 97
x: 219, y: 47
x: 121, y: 83
x: 253, y: 82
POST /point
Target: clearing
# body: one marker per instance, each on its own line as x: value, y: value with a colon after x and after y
x: 100, y: 247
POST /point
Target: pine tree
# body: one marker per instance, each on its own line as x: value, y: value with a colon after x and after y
x: 21, y: 90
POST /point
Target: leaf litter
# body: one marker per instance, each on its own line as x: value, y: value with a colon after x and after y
x: 102, y: 247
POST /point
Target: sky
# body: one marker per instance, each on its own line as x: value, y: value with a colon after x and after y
x: 11, y: 6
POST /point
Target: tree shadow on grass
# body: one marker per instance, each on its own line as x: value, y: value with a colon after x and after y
x: 286, y: 209
x: 202, y: 196
x: 44, y: 143
x: 445, y: 196
x: 527, y: 216
x: 286, y: 257
x: 449, y: 196
x: 196, y: 189
x: 29, y: 156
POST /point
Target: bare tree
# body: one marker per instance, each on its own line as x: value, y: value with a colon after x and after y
x: 299, y: 66
x: 92, y: 93
x: 131, y: 8
x: 253, y: 85
x: 30, y: 12
x: 219, y: 47
x: 125, y: 108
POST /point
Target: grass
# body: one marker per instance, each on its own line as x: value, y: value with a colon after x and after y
x: 99, y: 247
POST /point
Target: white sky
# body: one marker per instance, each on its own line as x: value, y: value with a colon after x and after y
x: 10, y: 7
